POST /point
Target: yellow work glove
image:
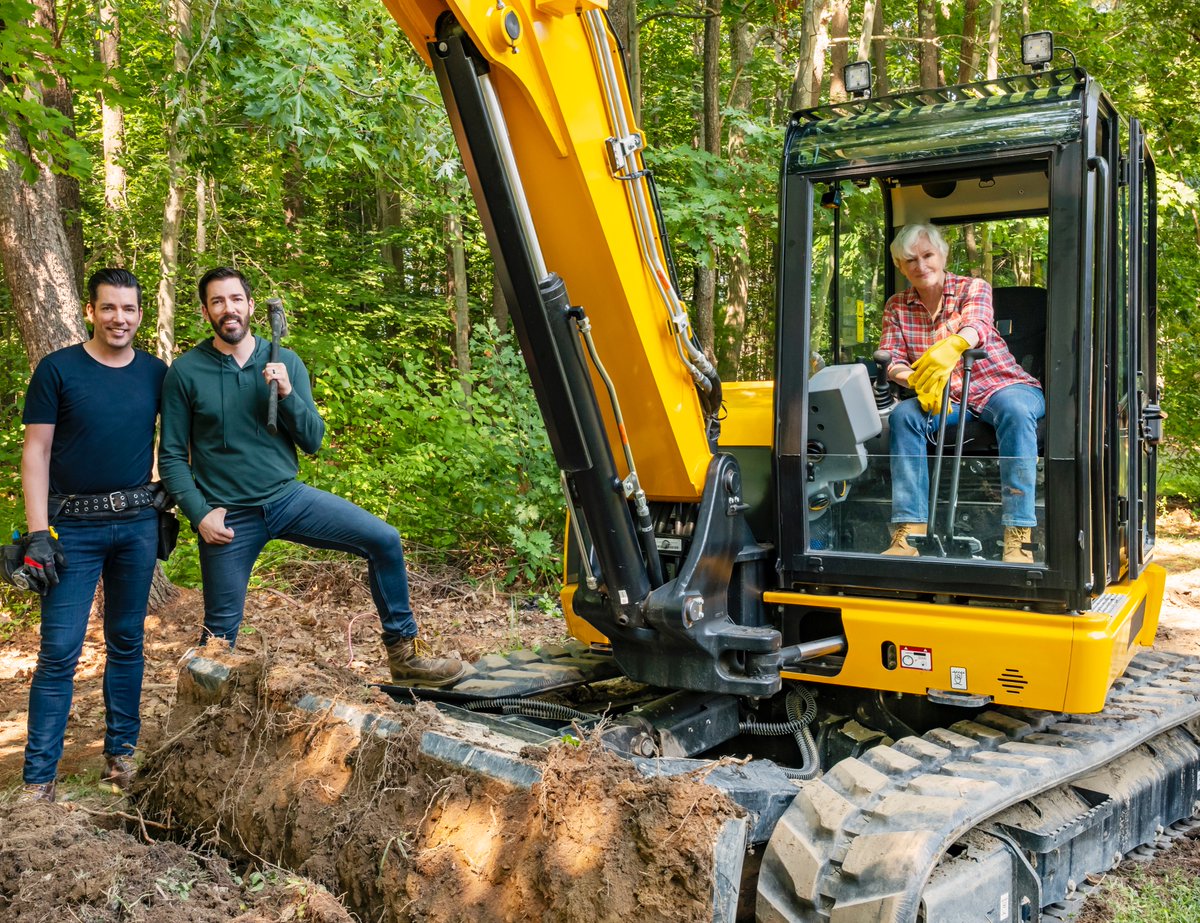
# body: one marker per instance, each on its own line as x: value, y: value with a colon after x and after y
x: 932, y: 370
x: 931, y: 401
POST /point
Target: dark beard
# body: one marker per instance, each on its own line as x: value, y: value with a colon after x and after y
x: 231, y: 338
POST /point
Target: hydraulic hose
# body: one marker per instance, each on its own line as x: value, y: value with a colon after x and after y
x: 798, y: 726
x: 529, y: 708
x: 810, y: 759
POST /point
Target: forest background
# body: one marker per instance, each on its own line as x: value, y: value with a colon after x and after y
x: 306, y: 144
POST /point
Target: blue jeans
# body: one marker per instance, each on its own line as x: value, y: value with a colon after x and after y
x: 1012, y: 411
x: 123, y: 551
x: 320, y: 520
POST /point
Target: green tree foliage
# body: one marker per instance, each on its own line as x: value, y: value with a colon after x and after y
x: 29, y: 60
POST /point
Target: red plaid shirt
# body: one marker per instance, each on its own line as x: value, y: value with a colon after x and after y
x: 966, y: 302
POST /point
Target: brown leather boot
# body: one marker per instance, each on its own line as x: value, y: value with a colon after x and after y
x: 118, y: 770
x: 37, y: 791
x: 1016, y: 540
x: 900, y: 533
x: 412, y: 665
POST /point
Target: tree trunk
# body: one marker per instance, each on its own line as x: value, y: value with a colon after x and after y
x: 710, y: 125
x: 460, y: 308
x: 809, y: 64
x: 879, y: 52
x: 201, y: 212
x: 59, y: 96
x: 631, y: 40
x: 388, y: 214
x: 168, y: 262
x: 37, y: 259
x: 623, y: 16
x: 499, y: 306
x: 112, y: 122
x: 293, y: 198
x: 865, y: 33
x: 733, y: 328
x: 928, y: 57
x: 162, y: 590
x: 968, y: 61
x: 704, y: 294
x: 839, y: 53
x: 993, y: 58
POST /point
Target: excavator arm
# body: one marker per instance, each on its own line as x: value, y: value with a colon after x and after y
x: 539, y: 101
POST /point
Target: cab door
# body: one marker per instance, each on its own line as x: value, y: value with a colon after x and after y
x: 1144, y: 417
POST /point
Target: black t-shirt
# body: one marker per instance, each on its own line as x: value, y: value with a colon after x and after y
x: 103, y: 419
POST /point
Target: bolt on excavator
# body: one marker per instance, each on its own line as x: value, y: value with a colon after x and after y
x: 964, y: 731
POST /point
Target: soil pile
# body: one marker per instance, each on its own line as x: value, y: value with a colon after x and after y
x: 402, y: 836
x: 57, y: 864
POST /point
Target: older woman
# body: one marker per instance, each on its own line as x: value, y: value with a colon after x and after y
x: 926, y: 328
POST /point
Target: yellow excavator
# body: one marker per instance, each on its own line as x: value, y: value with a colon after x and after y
x: 955, y: 735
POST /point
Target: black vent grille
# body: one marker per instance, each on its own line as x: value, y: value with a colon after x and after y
x: 1013, y: 682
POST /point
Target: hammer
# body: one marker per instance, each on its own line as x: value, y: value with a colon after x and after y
x: 278, y: 321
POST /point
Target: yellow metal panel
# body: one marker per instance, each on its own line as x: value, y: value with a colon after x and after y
x: 578, y: 627
x: 1051, y: 661
x: 751, y: 413
x: 1156, y: 586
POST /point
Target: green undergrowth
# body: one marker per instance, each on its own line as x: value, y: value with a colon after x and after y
x: 1139, y: 897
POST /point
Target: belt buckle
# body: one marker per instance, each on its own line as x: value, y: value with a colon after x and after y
x: 117, y: 501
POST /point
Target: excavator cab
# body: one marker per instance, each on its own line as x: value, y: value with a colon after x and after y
x: 1043, y: 191
x: 1040, y: 188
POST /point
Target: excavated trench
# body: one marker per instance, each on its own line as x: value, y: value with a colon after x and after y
x: 302, y: 766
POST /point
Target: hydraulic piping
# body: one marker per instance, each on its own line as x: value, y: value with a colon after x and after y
x: 629, y: 168
x: 798, y: 726
x: 633, y: 487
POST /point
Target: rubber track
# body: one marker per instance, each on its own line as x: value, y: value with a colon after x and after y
x: 859, y: 844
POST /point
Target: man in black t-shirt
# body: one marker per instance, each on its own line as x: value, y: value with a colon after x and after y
x: 89, y: 421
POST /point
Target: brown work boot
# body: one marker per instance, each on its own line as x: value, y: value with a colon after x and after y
x: 37, y: 791
x: 1016, y: 545
x: 118, y: 770
x: 411, y: 664
x: 900, y: 533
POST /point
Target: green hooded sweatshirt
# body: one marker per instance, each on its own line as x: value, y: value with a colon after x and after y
x: 215, y: 449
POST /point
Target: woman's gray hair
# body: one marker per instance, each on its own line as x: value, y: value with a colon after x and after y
x: 905, y: 241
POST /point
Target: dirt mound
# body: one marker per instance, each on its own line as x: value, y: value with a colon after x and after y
x: 57, y: 864
x: 403, y: 836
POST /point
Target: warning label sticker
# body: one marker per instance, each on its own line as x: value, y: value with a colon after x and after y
x: 916, y: 658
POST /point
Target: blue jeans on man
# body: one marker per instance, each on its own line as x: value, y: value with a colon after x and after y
x: 311, y: 517
x: 123, y: 552
x: 1013, y: 411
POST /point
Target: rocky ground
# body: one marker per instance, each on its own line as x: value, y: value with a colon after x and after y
x: 259, y: 793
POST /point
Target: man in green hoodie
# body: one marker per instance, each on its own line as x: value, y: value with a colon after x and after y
x: 237, y: 484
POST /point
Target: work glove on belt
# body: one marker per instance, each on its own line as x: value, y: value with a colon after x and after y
x: 932, y: 370
x: 43, y: 558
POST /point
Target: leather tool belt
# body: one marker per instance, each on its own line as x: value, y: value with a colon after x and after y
x: 103, y: 506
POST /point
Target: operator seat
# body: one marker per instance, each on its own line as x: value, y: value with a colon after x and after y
x: 1020, y: 312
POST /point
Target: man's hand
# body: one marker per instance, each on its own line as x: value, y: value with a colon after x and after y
x: 44, y: 556
x: 213, y: 530
x: 277, y: 371
x: 931, y: 401
x: 932, y: 370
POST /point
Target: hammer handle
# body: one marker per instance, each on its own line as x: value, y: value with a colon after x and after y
x: 273, y: 400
